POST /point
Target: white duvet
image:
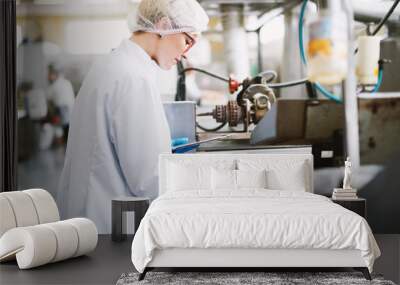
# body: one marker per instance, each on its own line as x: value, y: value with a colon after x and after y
x: 250, y: 219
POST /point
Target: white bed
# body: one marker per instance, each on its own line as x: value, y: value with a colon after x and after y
x: 205, y: 220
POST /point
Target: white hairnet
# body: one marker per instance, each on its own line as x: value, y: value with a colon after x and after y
x: 169, y: 17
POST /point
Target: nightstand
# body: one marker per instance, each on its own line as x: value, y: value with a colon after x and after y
x: 138, y: 205
x: 358, y: 206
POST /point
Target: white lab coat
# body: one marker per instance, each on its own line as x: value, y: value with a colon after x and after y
x: 36, y: 104
x: 117, y: 131
x: 61, y: 93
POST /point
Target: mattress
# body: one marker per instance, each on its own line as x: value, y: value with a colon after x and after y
x: 251, y: 219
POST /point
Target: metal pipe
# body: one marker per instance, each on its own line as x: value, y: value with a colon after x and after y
x: 350, y: 96
x: 259, y: 51
x: 292, y: 67
x: 235, y: 41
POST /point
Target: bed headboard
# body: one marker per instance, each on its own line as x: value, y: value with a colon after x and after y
x: 285, y: 162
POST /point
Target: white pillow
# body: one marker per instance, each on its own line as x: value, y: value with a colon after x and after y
x: 182, y: 177
x: 223, y: 179
x: 251, y: 178
x: 278, y: 180
x: 282, y: 174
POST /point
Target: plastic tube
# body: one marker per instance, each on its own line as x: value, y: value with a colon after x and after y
x: 378, y: 84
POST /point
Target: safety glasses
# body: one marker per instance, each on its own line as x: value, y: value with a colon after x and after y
x: 190, y: 41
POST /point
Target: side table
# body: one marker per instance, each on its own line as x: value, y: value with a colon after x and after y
x: 358, y: 206
x: 119, y: 205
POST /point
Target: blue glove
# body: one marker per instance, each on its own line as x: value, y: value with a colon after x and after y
x: 179, y: 141
x: 185, y: 149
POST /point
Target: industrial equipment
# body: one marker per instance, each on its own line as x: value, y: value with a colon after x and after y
x: 330, y: 55
x: 252, y: 103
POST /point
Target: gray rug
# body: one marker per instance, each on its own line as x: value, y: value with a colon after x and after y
x: 243, y: 278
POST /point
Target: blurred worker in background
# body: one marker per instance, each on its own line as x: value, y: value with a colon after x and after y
x: 61, y: 94
x: 119, y: 128
x: 35, y: 101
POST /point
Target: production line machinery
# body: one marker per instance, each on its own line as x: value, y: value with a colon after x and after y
x: 331, y: 59
x: 252, y: 103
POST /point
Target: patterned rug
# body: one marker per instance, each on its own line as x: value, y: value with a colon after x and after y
x: 244, y: 278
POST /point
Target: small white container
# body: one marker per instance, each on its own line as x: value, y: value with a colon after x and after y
x: 367, y: 59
